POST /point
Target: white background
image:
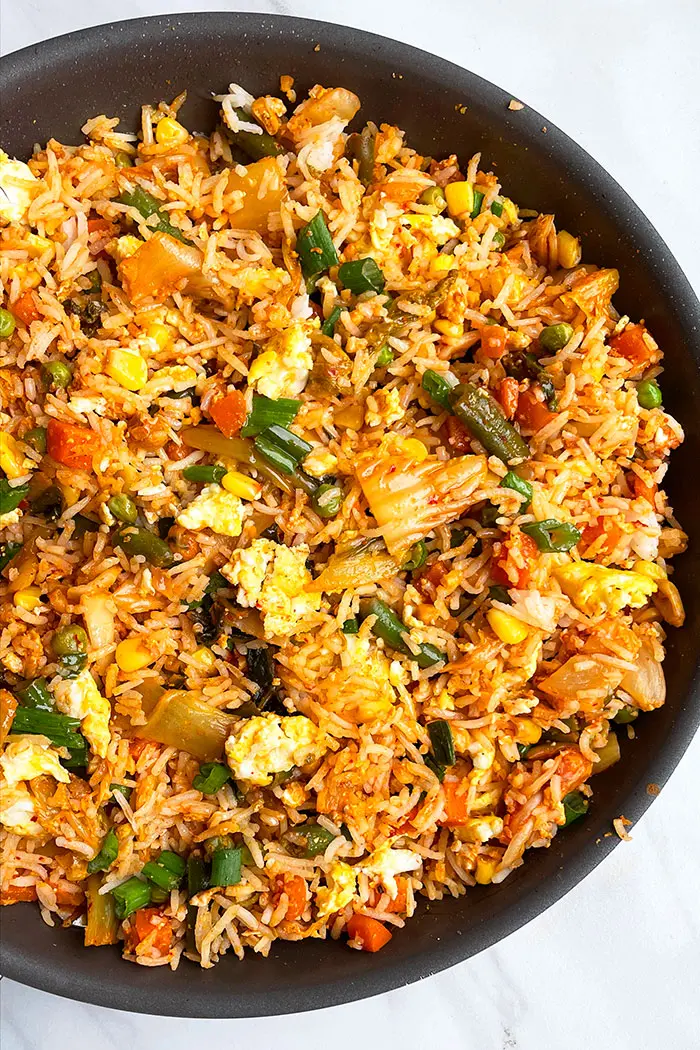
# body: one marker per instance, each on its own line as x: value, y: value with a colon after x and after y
x: 616, y: 963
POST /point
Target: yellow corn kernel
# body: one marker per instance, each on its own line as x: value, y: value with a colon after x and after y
x: 28, y: 599
x: 170, y: 132
x: 37, y: 245
x: 160, y: 333
x: 528, y: 732
x: 124, y: 247
x: 241, y: 485
x: 12, y: 460
x: 350, y: 416
x: 28, y: 276
x: 127, y: 368
x: 569, y: 249
x: 650, y: 569
x: 506, y: 627
x: 440, y: 265
x: 485, y: 870
x: 203, y: 659
x: 132, y: 655
x: 452, y: 329
x: 460, y: 198
x: 414, y: 448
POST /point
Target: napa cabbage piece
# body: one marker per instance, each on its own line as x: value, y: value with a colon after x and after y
x: 183, y: 720
x: 645, y: 685
x: 263, y: 191
x: 410, y: 499
x: 161, y: 266
x: 355, y: 563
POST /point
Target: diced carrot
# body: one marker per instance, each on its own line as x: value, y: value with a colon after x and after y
x: 147, y: 922
x: 8, y: 706
x: 455, y: 792
x: 508, y: 396
x: 161, y: 266
x: 640, y: 488
x: 602, y: 526
x: 68, y: 898
x: 295, y: 888
x: 369, y: 933
x: 136, y: 747
x: 25, y: 308
x: 457, y: 437
x: 632, y: 345
x: 531, y: 412
x: 98, y: 224
x: 71, y: 445
x: 14, y: 894
x: 229, y: 413
x: 493, y: 341
x: 513, y: 565
x: 400, y: 901
x: 573, y: 769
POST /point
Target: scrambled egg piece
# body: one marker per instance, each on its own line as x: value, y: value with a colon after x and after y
x: 29, y: 757
x: 124, y: 247
x: 12, y: 460
x: 438, y: 229
x: 283, y: 369
x: 264, y: 745
x: 216, y: 509
x: 341, y: 879
x: 386, y: 863
x: 361, y: 690
x: 480, y: 829
x: 175, y: 377
x: 11, y: 518
x: 596, y: 589
x: 17, y: 188
x: 80, y: 698
x: 320, y: 462
x: 384, y: 408
x: 259, y: 282
x: 272, y: 578
x: 17, y: 810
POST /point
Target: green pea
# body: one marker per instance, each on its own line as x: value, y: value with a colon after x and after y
x: 123, y: 508
x: 434, y: 196
x: 37, y: 439
x: 555, y: 336
x: 649, y: 394
x: 123, y: 160
x: 57, y: 374
x: 69, y: 640
x: 384, y: 357
x: 7, y: 323
x: 327, y: 500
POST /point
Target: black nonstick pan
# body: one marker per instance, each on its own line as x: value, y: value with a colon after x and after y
x: 49, y: 90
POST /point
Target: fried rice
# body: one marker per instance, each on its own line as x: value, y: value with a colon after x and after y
x: 335, y: 553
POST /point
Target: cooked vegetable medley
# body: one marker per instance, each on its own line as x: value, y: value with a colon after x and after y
x: 334, y: 557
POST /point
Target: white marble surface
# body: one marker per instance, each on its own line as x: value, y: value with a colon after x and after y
x: 617, y: 962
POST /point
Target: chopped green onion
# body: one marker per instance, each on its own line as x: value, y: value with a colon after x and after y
x: 497, y: 241
x: 489, y: 516
x: 316, y: 249
x: 123, y: 159
x: 483, y: 416
x: 61, y: 730
x: 197, y: 880
x: 10, y: 498
x: 166, y: 872
x: 317, y: 838
x: 7, y: 323
x: 211, y: 778
x: 498, y: 593
x: 388, y: 627
x: 256, y: 145
x: 418, y: 557
x: 362, y: 275
x: 159, y: 896
x: 226, y: 866
x: 497, y: 207
x: 328, y: 326
x: 35, y: 694
x: 147, y: 205
x: 575, y: 807
x: 457, y: 537
x: 555, y: 337
x: 384, y: 357
x: 279, y: 458
x: 523, y: 749
x: 442, y: 743
x: 327, y: 500
x: 351, y: 626
x: 123, y: 508
x: 519, y: 485
x: 478, y: 201
x: 552, y: 536
x: 107, y: 855
x: 70, y: 665
x: 362, y: 147
x: 439, y: 385
x: 7, y: 552
x: 288, y: 442
x: 437, y: 769
x: 433, y: 196
x: 626, y: 715
x: 37, y: 439
x: 649, y: 394
x: 209, y: 474
x: 267, y: 412
x: 121, y: 789
x: 130, y: 896
x: 173, y: 862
